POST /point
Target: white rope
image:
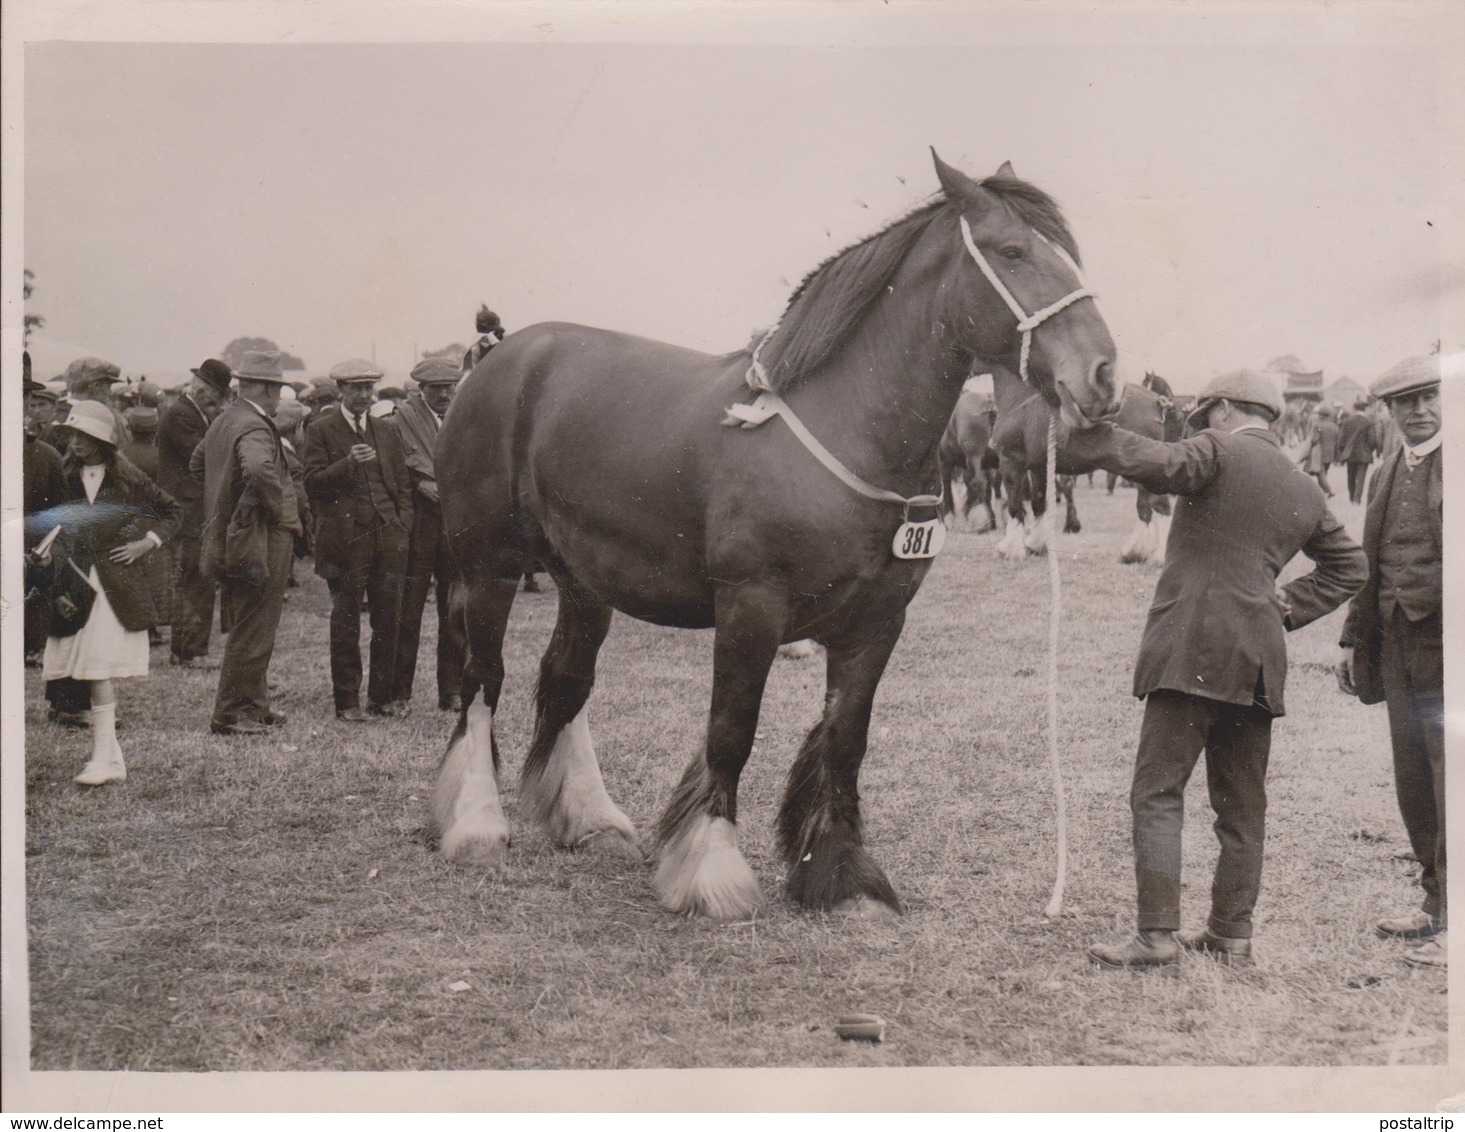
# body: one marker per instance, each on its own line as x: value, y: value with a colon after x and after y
x: 1055, y: 611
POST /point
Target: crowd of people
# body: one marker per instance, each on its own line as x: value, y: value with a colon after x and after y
x: 159, y: 509
x: 148, y: 508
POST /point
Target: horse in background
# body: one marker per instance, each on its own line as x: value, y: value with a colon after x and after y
x: 1164, y: 420
x: 656, y: 480
x: 967, y: 457
x: 1020, y: 437
x: 1020, y: 440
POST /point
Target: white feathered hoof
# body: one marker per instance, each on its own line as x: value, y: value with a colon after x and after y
x: 798, y: 650
x: 702, y: 873
x: 864, y: 908
x: 466, y: 810
x: 1139, y: 545
x: 1037, y: 540
x: 568, y: 797
x: 1011, y: 545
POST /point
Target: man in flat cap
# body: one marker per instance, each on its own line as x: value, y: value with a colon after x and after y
x: 1213, y: 659
x: 319, y: 397
x: 418, y: 419
x: 250, y: 524
x: 44, y: 489
x: 356, y: 479
x: 180, y: 430
x: 1358, y: 444
x: 491, y: 333
x: 1393, y: 640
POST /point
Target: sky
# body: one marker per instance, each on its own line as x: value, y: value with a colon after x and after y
x: 1232, y: 202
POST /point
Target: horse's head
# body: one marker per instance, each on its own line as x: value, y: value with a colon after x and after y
x: 1021, y: 292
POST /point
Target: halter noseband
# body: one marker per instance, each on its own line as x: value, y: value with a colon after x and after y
x: 1026, y: 323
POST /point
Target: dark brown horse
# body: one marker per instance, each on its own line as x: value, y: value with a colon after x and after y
x: 608, y: 457
x: 1020, y: 439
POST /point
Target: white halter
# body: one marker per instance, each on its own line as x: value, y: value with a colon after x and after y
x: 769, y: 404
x: 1026, y: 323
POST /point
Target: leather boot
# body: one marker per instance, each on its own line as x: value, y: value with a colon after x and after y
x: 1144, y: 949
x: 1223, y: 949
x: 106, y: 764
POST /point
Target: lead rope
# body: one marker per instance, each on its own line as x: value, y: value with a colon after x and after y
x: 1055, y: 613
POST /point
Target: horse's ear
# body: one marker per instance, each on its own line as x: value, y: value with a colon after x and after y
x: 1005, y: 173
x: 956, y: 184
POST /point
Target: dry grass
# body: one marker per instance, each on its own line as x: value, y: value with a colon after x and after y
x: 271, y: 905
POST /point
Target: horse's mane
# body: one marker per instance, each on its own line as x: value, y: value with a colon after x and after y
x: 835, y: 296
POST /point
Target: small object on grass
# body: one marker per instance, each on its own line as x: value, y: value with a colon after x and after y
x: 1404, y: 855
x: 372, y: 875
x: 1361, y: 982
x: 460, y: 986
x: 860, y: 1028
x: 1369, y: 835
x: 289, y: 750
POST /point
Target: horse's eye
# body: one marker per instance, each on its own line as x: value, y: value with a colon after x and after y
x: 1012, y: 251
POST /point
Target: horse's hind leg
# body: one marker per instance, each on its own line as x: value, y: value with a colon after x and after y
x: 819, y: 825
x: 466, y: 809
x: 1140, y: 545
x: 1014, y: 488
x: 1071, y: 525
x: 701, y: 870
x: 561, y: 781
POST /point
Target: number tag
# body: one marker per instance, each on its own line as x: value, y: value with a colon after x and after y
x: 919, y: 540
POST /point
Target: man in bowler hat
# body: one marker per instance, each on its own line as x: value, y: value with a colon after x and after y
x: 180, y: 431
x: 250, y: 524
x: 418, y: 419
x: 360, y: 493
x: 1393, y: 640
x: 1213, y: 659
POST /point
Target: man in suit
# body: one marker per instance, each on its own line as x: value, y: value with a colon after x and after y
x: 1321, y: 452
x: 44, y: 488
x: 180, y: 430
x: 418, y: 419
x: 1213, y: 659
x: 250, y: 524
x: 359, y: 490
x: 1393, y: 640
x: 1357, y: 446
x: 491, y: 333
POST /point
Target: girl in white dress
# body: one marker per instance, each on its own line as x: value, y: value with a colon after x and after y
x: 103, y: 604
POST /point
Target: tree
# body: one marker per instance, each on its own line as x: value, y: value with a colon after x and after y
x: 234, y: 353
x: 454, y: 351
x: 32, y: 321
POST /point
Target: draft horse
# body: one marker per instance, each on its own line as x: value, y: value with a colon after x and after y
x: 966, y: 456
x: 606, y: 456
x: 1020, y: 439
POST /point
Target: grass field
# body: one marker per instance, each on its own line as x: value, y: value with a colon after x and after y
x: 274, y: 905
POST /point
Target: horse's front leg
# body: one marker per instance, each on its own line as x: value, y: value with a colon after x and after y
x: 819, y: 826
x: 701, y: 870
